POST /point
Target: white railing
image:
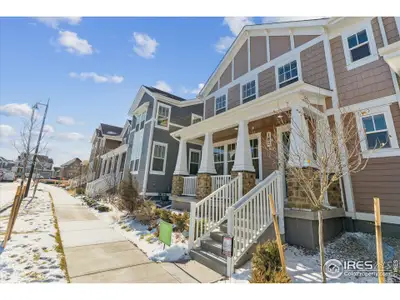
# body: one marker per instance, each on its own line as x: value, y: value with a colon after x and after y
x: 251, y: 215
x: 219, y: 180
x: 210, y: 212
x: 189, y: 185
x: 103, y: 184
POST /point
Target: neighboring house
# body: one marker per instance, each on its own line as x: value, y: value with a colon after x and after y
x: 337, y: 63
x: 107, y: 159
x: 56, y: 172
x: 152, y: 150
x: 105, y: 138
x: 71, y: 168
x: 6, y: 163
x: 43, y: 162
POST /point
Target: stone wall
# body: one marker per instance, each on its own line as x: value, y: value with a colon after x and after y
x: 335, y: 195
x: 203, y: 186
x: 249, y: 180
x: 177, y: 185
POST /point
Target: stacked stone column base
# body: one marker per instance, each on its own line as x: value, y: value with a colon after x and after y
x: 249, y: 180
x: 204, y: 186
x: 177, y: 185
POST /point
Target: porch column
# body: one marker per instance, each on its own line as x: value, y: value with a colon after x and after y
x: 119, y: 163
x: 300, y: 156
x: 207, y: 168
x: 102, y: 167
x: 243, y: 162
x: 181, y: 169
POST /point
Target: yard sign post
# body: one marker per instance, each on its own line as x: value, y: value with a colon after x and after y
x: 277, y: 233
x: 378, y: 233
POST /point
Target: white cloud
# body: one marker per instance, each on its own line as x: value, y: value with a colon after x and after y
x: 16, y: 109
x: 48, y: 129
x: 72, y: 136
x: 193, y: 91
x: 145, y: 46
x: 224, y: 43
x: 74, y: 44
x: 237, y: 23
x: 64, y: 120
x: 6, y: 131
x: 162, y: 85
x: 96, y: 77
x: 54, y: 22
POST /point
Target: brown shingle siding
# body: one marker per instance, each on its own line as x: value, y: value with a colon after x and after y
x: 226, y: 77
x: 215, y: 87
x: 266, y: 81
x: 210, y: 103
x: 278, y: 45
x: 368, y: 82
x: 234, y: 96
x: 392, y: 34
x: 241, y: 61
x: 395, y: 110
x: 302, y: 39
x: 258, y: 51
x: 377, y: 33
x: 313, y: 66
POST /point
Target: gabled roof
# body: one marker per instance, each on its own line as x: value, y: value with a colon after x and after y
x: 110, y: 129
x: 70, y: 162
x: 157, y: 91
x: 247, y: 30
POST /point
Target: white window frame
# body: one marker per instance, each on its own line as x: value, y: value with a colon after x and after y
x: 291, y: 78
x: 194, y: 116
x: 165, y: 158
x: 160, y: 104
x: 137, y: 144
x: 285, y: 62
x: 226, y: 103
x: 255, y: 79
x: 191, y: 150
x: 384, y: 152
x: 371, y: 41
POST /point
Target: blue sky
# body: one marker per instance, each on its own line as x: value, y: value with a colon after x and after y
x: 91, y: 69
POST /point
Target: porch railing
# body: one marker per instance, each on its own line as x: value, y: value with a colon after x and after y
x: 219, y: 180
x: 210, y: 212
x: 103, y: 184
x: 189, y: 185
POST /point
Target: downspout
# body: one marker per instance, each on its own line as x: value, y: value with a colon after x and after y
x: 149, y: 148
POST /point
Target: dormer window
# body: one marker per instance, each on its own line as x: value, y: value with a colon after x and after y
x: 288, y: 74
x: 249, y: 91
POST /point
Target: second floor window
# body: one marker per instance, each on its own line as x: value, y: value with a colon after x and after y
x: 288, y: 74
x: 358, y: 45
x: 140, y: 120
x: 249, y: 91
x: 163, y: 115
x: 220, y: 104
x: 376, y: 131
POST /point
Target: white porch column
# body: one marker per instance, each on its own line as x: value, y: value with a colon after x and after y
x: 243, y: 161
x: 119, y: 163
x: 181, y: 161
x: 102, y: 167
x: 300, y: 152
x: 207, y: 158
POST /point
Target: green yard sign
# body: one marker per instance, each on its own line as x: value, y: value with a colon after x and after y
x: 165, y: 233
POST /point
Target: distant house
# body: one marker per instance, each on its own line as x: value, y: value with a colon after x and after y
x: 56, y: 172
x: 43, y: 165
x: 6, y: 163
x: 71, y: 168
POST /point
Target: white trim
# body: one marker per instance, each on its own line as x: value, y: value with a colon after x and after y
x: 190, y: 155
x: 176, y: 125
x: 140, y: 109
x: 288, y: 61
x: 241, y: 89
x: 291, y: 39
x: 164, y: 160
x: 397, y: 20
x: 160, y: 104
x: 371, y: 42
x: 267, y: 41
x: 248, y: 55
x: 371, y: 217
x: 194, y: 116
x: 371, y: 104
x: 385, y: 152
x: 383, y: 32
x: 178, y: 103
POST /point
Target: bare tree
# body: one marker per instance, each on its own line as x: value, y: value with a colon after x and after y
x: 319, y: 152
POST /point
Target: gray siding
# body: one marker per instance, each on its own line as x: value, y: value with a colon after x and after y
x: 183, y: 115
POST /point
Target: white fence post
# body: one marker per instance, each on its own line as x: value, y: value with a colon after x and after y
x: 281, y: 205
x: 240, y: 185
x: 230, y: 260
x: 192, y: 224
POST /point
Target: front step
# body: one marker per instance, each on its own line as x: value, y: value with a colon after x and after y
x: 210, y: 260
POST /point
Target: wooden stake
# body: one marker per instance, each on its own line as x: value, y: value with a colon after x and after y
x: 277, y: 233
x: 321, y: 244
x: 11, y: 218
x: 378, y: 233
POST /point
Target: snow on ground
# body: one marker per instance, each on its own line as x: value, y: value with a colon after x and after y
x: 7, y: 193
x: 303, y: 265
x: 143, y: 238
x: 30, y: 254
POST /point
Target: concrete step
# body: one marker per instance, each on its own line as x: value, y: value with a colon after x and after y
x: 210, y: 260
x: 212, y: 246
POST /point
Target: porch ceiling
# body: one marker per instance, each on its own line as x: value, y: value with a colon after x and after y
x: 258, y: 109
x: 391, y: 54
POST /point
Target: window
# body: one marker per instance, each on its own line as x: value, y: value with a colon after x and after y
x: 254, y: 156
x: 194, y: 161
x: 196, y: 119
x: 376, y: 131
x: 231, y: 156
x: 163, y: 115
x: 358, y: 45
x: 220, y: 104
x: 288, y: 74
x: 219, y: 159
x: 136, y: 150
x: 159, y: 158
x: 249, y: 91
x: 140, y: 120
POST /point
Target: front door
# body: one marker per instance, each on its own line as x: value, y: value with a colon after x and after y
x: 283, y: 152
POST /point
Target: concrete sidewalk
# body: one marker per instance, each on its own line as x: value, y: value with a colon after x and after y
x: 97, y: 253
